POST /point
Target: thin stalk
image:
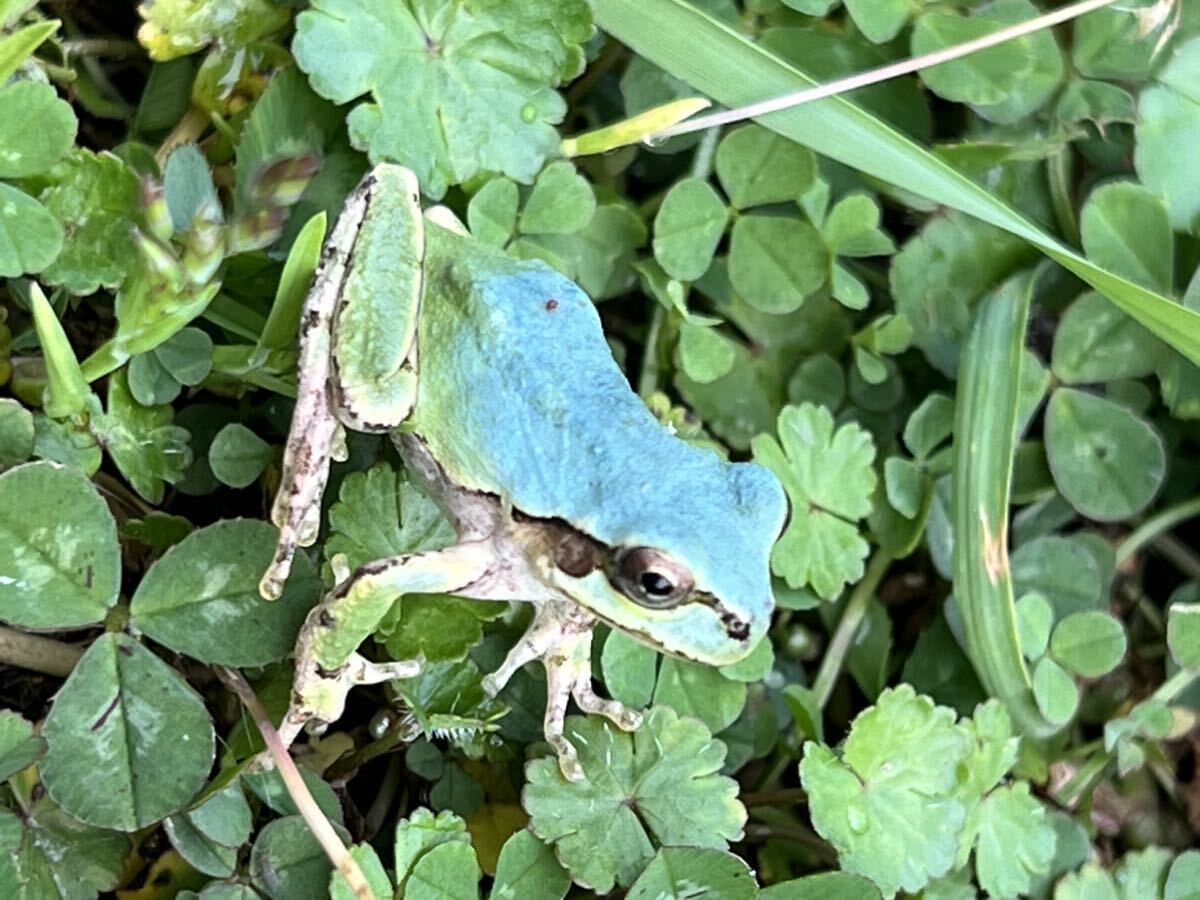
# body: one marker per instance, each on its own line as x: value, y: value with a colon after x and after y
x: 38, y: 654
x: 1179, y: 554
x: 847, y: 628
x: 1156, y: 526
x: 702, y: 162
x: 320, y: 827
x: 1175, y: 685
x: 881, y: 73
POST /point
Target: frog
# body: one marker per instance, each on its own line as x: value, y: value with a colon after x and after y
x: 495, y: 382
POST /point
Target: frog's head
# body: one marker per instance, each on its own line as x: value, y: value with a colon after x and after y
x: 684, y: 564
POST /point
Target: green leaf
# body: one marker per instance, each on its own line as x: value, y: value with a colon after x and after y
x: 1124, y: 227
x: 681, y: 873
x: 984, y: 77
x: 186, y: 356
x: 1184, y: 876
x: 688, y: 228
x: 700, y: 691
x: 930, y: 424
x: 15, y: 48
x: 200, y: 851
x: 528, y: 869
x: 1095, y: 341
x: 129, y: 740
x: 629, y: 669
x: 380, y: 514
x: 238, y: 456
x: 829, y: 474
x: 757, y: 166
x: 372, y: 869
x: 906, y: 485
x: 146, y: 447
x: 852, y: 229
x: 660, y: 781
x: 20, y: 747
x: 56, y: 857
x: 95, y: 198
x: 893, y: 779
x: 492, y: 212
x: 30, y: 236
x: 1054, y: 691
x: 287, y: 863
x: 447, y: 872
x: 1168, y: 126
x: 940, y: 275
x: 16, y: 433
x: 1062, y: 571
x: 188, y: 187
x: 704, y: 353
x: 224, y: 817
x: 1107, y: 461
x: 421, y: 833
x: 561, y: 202
x: 201, y: 597
x: 825, y: 886
x: 775, y: 262
x: 452, y: 95
x: 1090, y: 644
x: 1013, y: 841
x: 1097, y: 102
x: 66, y: 391
x: 178, y: 27
x: 37, y: 129
x: 730, y: 69
x: 879, y: 20
x: 1035, y: 617
x: 60, y: 544
x: 1183, y: 634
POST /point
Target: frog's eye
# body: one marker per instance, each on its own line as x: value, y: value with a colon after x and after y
x: 651, y: 578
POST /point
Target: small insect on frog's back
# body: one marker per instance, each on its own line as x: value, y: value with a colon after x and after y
x: 520, y: 396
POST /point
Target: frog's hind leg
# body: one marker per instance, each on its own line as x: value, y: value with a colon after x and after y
x: 357, y: 349
x: 327, y: 663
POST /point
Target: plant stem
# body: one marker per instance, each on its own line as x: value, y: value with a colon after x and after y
x: 189, y: 129
x: 320, y: 827
x: 1156, y: 526
x: 847, y: 628
x: 113, y: 48
x: 1175, y: 685
x: 38, y: 654
x: 702, y: 162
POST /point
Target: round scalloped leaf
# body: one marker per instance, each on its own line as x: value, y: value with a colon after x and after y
x: 453, y: 92
x: 829, y: 474
x: 894, y: 778
x: 985, y: 77
x: 129, y: 741
x: 95, y: 198
x: 775, y: 262
x: 1055, y: 691
x: 201, y: 597
x: 661, y: 781
x: 681, y: 872
x: 58, y: 549
x: 286, y: 861
x: 1106, y: 460
x: 688, y: 228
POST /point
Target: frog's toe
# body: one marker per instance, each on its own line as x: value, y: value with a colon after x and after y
x: 491, y: 685
x: 568, y: 760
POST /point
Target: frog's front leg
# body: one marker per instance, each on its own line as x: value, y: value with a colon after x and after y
x: 327, y: 662
x: 561, y: 637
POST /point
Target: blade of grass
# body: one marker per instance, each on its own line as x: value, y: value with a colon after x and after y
x: 721, y: 63
x: 985, y: 438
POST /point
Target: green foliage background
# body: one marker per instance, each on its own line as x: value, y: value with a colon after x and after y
x: 981, y: 677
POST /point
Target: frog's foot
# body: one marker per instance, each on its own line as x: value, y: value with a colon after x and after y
x: 561, y: 637
x: 319, y: 696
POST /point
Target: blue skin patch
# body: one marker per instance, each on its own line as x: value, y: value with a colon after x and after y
x: 519, y: 396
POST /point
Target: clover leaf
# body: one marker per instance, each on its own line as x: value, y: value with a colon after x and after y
x: 894, y: 778
x: 657, y: 786
x: 828, y: 478
x: 454, y: 91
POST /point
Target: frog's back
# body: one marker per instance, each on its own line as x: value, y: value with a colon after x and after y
x: 520, y: 396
